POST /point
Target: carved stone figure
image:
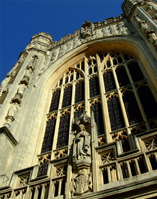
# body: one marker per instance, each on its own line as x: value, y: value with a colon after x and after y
x: 122, y: 30
x: 76, y: 42
x: 87, y: 29
x: 61, y: 51
x: 99, y: 33
x: 32, y: 63
x: 106, y: 31
x: 81, y: 147
x: 18, y: 96
x: 69, y: 46
x: 143, y: 25
x: 11, y: 114
x: 113, y: 30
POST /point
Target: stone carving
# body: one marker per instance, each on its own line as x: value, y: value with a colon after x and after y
x: 81, y: 146
x: 81, y: 156
x: 113, y: 30
x: 29, y: 69
x: 11, y: 114
x: 106, y: 31
x: 87, y: 29
x: 60, y: 171
x: 24, y: 180
x: 82, y: 183
x: 62, y: 50
x: 18, y: 96
x: 122, y: 29
x: 151, y: 144
x: 149, y: 33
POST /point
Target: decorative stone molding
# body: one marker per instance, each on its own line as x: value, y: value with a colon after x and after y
x: 82, y: 183
x: 8, y: 134
x: 149, y: 33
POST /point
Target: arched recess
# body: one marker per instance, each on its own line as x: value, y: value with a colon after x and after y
x: 54, y: 73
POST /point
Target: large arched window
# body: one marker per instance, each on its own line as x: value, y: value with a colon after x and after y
x: 113, y: 87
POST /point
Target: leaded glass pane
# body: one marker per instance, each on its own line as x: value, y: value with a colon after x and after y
x: 94, y: 86
x: 109, y: 81
x: 67, y: 96
x: 97, y: 110
x: 63, y: 133
x: 132, y: 109
x: 78, y: 113
x: 115, y: 114
x: 55, y: 101
x: 79, y: 92
x: 43, y: 169
x: 82, y: 65
x: 148, y: 102
x: 122, y: 76
x: 135, y: 71
x: 48, y: 138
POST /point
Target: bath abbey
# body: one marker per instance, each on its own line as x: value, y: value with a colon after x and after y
x: 78, y: 117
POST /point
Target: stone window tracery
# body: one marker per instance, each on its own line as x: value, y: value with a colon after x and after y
x: 124, y: 87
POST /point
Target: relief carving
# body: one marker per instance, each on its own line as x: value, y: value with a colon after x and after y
x: 82, y: 183
x: 87, y: 29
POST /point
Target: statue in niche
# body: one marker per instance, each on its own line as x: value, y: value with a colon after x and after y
x: 81, y: 145
x: 87, y: 29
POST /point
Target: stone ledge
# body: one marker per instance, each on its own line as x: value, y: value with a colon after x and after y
x: 9, y: 136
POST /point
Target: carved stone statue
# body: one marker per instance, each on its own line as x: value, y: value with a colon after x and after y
x: 87, y: 29
x: 81, y: 147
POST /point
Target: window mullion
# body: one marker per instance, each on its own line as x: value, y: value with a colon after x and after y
x: 126, y: 122
x: 86, y: 88
x: 105, y: 113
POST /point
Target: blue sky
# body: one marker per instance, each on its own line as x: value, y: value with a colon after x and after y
x: 21, y: 19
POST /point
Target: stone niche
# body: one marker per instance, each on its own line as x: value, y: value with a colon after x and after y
x: 81, y: 181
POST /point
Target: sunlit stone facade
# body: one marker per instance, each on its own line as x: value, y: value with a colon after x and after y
x: 78, y: 116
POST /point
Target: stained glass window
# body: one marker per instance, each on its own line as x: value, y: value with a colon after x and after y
x: 94, y: 86
x: 43, y: 169
x: 135, y: 71
x: 79, y: 92
x: 55, y: 101
x: 122, y: 76
x: 148, y: 101
x: 115, y: 114
x: 78, y: 113
x: 48, y: 138
x: 63, y: 133
x: 67, y: 96
x: 125, y: 172
x: 97, y: 110
x: 132, y: 109
x: 109, y: 81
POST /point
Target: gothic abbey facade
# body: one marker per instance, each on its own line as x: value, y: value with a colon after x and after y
x: 78, y: 117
